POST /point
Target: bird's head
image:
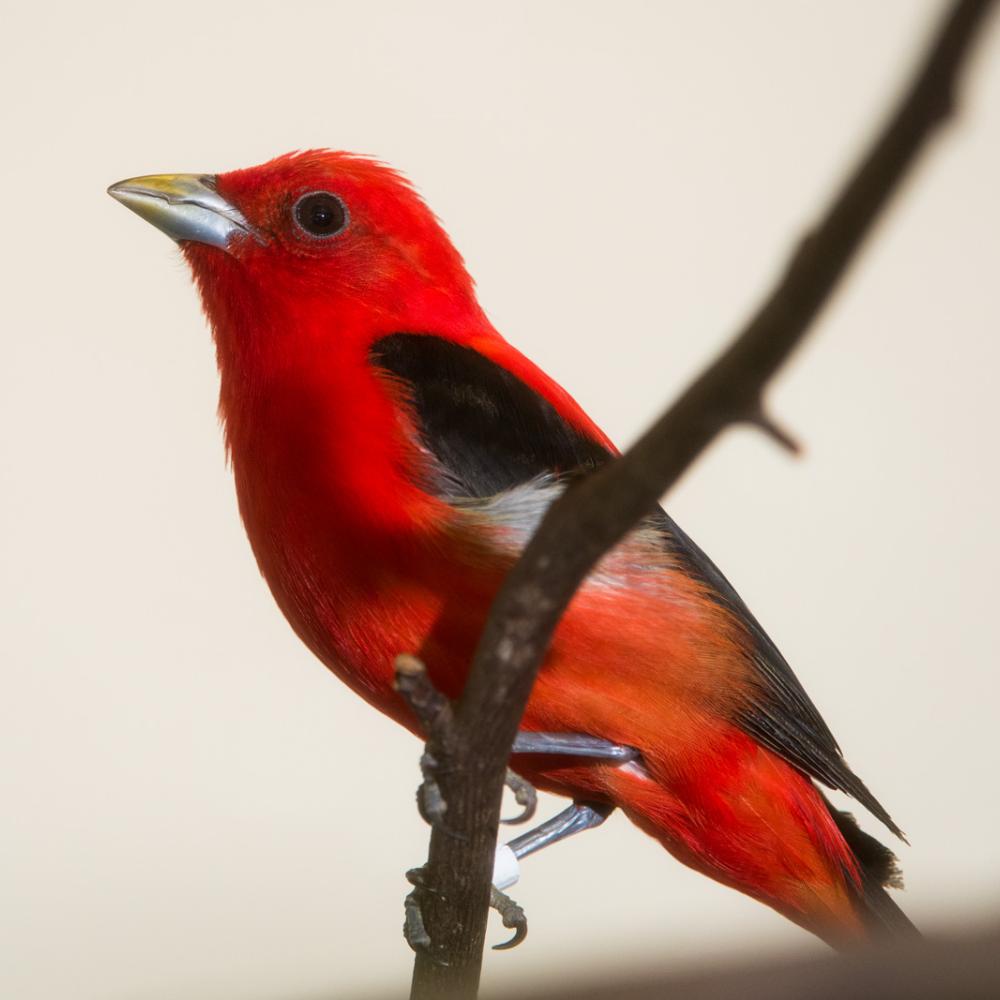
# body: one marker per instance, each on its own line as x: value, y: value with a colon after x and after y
x: 316, y: 242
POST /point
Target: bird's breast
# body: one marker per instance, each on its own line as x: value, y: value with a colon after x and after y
x: 366, y: 565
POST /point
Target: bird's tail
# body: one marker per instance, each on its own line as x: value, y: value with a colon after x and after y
x: 755, y: 823
x: 878, y: 869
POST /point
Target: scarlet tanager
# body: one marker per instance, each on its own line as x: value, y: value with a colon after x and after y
x: 392, y: 454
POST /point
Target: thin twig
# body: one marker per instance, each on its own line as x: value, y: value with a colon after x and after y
x: 432, y: 709
x: 593, y: 515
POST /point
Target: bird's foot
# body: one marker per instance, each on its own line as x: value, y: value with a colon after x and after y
x: 414, y: 929
x: 525, y: 796
x: 430, y: 802
x: 513, y: 918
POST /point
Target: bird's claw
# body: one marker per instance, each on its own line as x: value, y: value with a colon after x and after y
x: 413, y: 925
x: 430, y: 801
x: 414, y: 929
x: 524, y: 794
x: 512, y: 916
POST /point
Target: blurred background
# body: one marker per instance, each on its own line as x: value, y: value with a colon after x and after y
x: 194, y: 806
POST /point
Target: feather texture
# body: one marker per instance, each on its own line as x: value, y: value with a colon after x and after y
x: 392, y: 453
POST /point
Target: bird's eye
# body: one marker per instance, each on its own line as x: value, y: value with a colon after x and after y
x: 320, y: 214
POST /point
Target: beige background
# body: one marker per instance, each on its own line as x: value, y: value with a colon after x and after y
x: 194, y: 807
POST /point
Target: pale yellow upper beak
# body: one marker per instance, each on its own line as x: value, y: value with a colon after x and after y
x: 184, y: 206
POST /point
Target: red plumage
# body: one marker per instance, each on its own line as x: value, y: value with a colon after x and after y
x: 351, y: 507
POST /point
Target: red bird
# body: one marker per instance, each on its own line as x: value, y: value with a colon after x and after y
x: 392, y: 454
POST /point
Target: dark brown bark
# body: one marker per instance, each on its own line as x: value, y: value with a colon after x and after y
x: 473, y: 747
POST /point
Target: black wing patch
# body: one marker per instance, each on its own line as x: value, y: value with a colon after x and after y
x: 491, y: 432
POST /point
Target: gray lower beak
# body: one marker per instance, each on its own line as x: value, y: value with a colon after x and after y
x: 184, y: 206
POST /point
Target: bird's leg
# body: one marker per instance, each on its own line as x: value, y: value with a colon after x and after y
x: 564, y: 745
x: 573, y: 745
x: 431, y: 803
x: 506, y: 867
x: 578, y: 817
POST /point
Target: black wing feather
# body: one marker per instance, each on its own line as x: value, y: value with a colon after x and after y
x: 491, y: 432
x: 782, y: 716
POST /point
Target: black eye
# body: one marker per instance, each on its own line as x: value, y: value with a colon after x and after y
x: 320, y: 214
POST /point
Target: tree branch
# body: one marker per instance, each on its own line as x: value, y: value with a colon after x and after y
x: 594, y: 515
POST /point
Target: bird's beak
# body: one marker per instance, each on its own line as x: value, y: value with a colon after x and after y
x: 184, y: 206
